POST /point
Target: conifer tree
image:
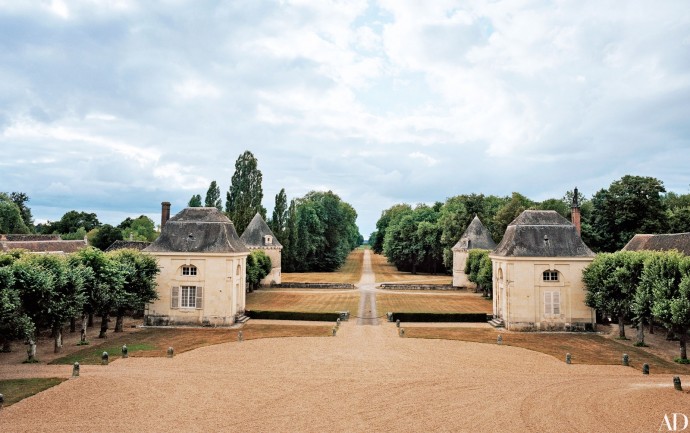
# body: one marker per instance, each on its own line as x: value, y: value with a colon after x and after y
x: 245, y: 194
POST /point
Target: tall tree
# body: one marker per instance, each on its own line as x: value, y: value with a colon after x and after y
x: 278, y: 222
x: 11, y: 217
x: 105, y: 235
x: 245, y: 194
x: 508, y: 212
x: 139, y: 288
x: 14, y: 323
x: 631, y: 205
x: 21, y: 199
x: 140, y: 229
x: 213, y: 196
x: 72, y: 221
x: 195, y: 201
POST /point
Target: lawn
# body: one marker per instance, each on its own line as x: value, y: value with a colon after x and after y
x: 350, y: 272
x: 310, y: 302
x: 18, y: 389
x: 456, y: 302
x: 584, y: 348
x: 385, y: 272
x: 154, y: 342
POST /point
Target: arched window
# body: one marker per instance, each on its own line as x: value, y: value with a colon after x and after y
x: 550, y: 275
x: 189, y: 270
x: 500, y: 274
x: 239, y: 269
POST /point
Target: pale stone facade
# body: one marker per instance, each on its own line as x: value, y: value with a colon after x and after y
x: 537, y: 272
x: 258, y: 236
x: 476, y: 236
x: 202, y: 278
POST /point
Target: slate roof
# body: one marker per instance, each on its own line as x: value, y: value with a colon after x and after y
x: 30, y: 237
x: 666, y: 242
x: 198, y: 230
x: 253, y: 236
x: 475, y: 236
x: 133, y: 245
x: 44, y: 246
x: 541, y: 233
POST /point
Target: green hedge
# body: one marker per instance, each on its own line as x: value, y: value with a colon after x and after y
x: 440, y: 317
x: 292, y: 315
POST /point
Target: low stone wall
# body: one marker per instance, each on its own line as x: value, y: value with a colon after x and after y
x: 311, y: 286
x: 389, y: 286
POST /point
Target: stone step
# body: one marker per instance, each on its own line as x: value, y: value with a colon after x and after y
x: 496, y: 322
x: 241, y: 318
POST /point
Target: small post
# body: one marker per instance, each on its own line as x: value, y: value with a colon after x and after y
x: 125, y: 353
x: 240, y: 336
x: 626, y: 360
x: 75, y: 370
x: 171, y: 352
x: 568, y: 358
x: 645, y: 368
x: 104, y: 358
x: 2, y: 400
x: 401, y: 332
x: 499, y: 340
x: 31, y: 352
x: 676, y: 383
x: 337, y: 322
x: 397, y: 323
x: 334, y: 331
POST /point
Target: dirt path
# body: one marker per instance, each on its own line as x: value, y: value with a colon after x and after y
x: 367, y: 315
x: 366, y: 379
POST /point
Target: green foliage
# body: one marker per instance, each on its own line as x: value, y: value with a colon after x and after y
x: 11, y: 217
x: 278, y: 222
x: 258, y: 266
x: 213, y: 196
x: 105, y: 235
x: 104, y: 282
x: 413, y: 239
x: 320, y: 232
x: 631, y: 205
x: 508, y: 212
x: 139, y: 271
x: 376, y: 240
x: 140, y: 229
x: 559, y: 205
x: 245, y: 194
x: 20, y: 199
x: 71, y: 222
x: 479, y: 269
x: 14, y: 323
x: 195, y: 201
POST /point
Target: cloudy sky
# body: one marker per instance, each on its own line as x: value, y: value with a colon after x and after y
x: 112, y: 106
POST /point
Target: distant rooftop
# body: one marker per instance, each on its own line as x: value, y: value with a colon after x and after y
x: 663, y: 242
x: 476, y: 236
x: 255, y: 234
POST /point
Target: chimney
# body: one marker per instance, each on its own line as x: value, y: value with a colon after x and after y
x: 575, y: 212
x: 165, y: 213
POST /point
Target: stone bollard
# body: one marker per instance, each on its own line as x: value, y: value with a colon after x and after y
x: 645, y: 368
x: 401, y: 332
x: 337, y: 322
x: 676, y: 383
x: 75, y: 370
x: 125, y: 353
x: 568, y: 358
x: 499, y: 340
x: 2, y: 400
x: 104, y: 358
x: 334, y: 331
x: 389, y: 316
x: 171, y: 352
x: 31, y: 352
x: 397, y: 323
x: 240, y: 336
x: 626, y: 360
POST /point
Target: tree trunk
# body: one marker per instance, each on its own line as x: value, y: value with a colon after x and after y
x: 104, y: 325
x: 414, y: 269
x: 58, y: 340
x: 84, y: 320
x: 651, y: 326
x: 6, y: 346
x: 683, y: 337
x: 72, y: 325
x: 90, y: 322
x: 640, y: 333
x: 119, y: 321
x: 621, y: 327
x: 670, y: 335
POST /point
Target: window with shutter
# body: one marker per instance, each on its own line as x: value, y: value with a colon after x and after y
x: 556, y: 303
x: 547, y: 303
x: 175, y: 297
x: 199, y: 298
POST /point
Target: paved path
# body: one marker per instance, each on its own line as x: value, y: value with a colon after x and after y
x: 366, y: 315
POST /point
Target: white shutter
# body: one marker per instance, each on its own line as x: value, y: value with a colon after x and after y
x: 175, y: 297
x: 199, y: 298
x: 547, y: 303
x: 557, y: 303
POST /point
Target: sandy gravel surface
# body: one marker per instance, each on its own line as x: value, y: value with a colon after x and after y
x: 365, y: 379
